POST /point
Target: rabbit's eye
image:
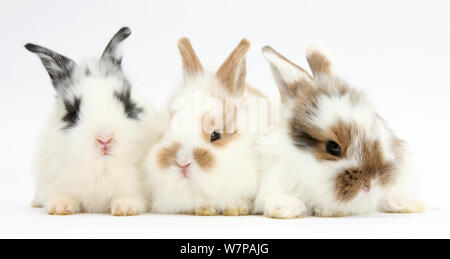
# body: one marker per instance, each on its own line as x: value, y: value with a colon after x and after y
x: 131, y: 109
x: 333, y: 148
x: 215, y: 136
x: 72, y: 111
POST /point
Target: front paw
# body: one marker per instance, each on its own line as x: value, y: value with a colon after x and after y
x: 127, y: 206
x: 285, y: 207
x: 240, y: 211
x: 329, y: 214
x: 206, y: 211
x: 63, y: 205
x: 35, y: 204
x: 392, y: 205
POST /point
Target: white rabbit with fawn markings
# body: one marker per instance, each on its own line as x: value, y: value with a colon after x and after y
x: 335, y: 155
x: 206, y: 167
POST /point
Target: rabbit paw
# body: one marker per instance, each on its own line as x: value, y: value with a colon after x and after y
x: 35, y: 204
x: 240, y: 211
x: 285, y: 207
x: 329, y: 214
x: 62, y: 206
x: 127, y: 206
x: 392, y: 205
x: 205, y: 212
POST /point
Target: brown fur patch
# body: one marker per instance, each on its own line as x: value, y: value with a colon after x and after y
x: 342, y: 134
x: 233, y: 71
x: 191, y: 63
x: 224, y: 140
x: 307, y: 135
x: 167, y: 156
x: 319, y: 63
x: 369, y: 153
x: 315, y: 139
x: 372, y: 166
x: 307, y: 92
x: 228, y: 131
x: 225, y: 137
x: 204, y: 158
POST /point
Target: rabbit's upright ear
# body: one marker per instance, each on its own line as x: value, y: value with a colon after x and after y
x: 320, y: 60
x: 233, y: 71
x: 113, y: 51
x: 59, y: 67
x: 287, y: 75
x: 191, y: 63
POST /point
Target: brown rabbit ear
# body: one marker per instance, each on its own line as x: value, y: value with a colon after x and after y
x: 287, y: 75
x: 191, y: 63
x: 319, y: 60
x: 233, y: 71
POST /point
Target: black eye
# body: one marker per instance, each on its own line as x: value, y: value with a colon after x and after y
x: 333, y: 148
x: 72, y: 111
x: 131, y: 109
x: 215, y: 136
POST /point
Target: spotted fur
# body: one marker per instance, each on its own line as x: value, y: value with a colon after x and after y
x: 95, y: 103
x: 204, y: 174
x: 372, y: 168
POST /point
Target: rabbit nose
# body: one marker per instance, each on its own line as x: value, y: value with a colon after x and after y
x: 104, y: 140
x: 184, y: 164
x: 366, y: 187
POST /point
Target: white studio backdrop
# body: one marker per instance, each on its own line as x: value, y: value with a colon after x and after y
x: 398, y: 51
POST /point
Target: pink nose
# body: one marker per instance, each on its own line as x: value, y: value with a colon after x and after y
x: 104, y: 140
x: 184, y: 165
x: 366, y: 187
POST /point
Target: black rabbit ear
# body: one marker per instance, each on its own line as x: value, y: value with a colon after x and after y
x: 59, y: 67
x: 112, y: 53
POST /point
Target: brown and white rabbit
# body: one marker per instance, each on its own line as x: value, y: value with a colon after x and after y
x: 90, y: 153
x: 335, y: 155
x: 203, y: 163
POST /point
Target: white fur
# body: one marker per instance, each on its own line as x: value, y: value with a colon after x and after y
x: 291, y: 175
x: 284, y: 206
x: 230, y: 184
x: 342, y: 108
x: 288, y: 72
x: 71, y: 172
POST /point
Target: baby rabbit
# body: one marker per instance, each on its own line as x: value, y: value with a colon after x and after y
x: 90, y: 152
x: 205, y: 167
x: 335, y: 155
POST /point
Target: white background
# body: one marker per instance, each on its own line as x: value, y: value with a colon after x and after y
x: 399, y: 51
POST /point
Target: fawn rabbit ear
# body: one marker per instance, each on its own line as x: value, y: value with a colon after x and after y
x: 113, y: 51
x: 319, y: 59
x: 59, y: 67
x: 191, y: 63
x: 288, y: 76
x: 233, y: 71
